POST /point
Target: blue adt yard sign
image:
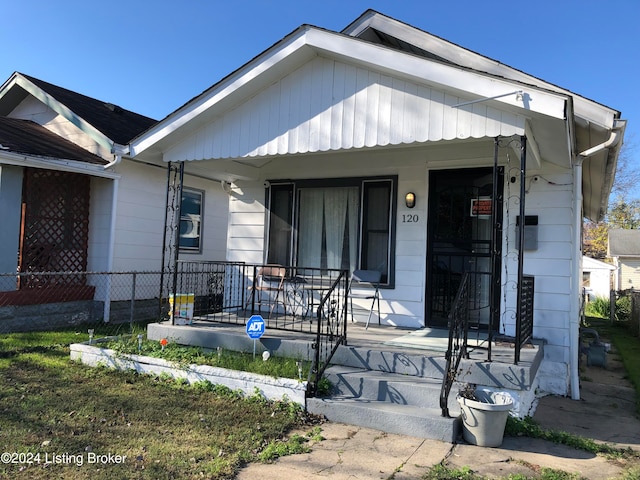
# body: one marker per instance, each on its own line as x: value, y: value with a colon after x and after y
x: 255, y: 326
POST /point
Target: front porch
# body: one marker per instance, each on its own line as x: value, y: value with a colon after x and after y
x: 381, y: 378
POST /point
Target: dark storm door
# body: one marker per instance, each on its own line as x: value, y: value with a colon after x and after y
x: 460, y: 230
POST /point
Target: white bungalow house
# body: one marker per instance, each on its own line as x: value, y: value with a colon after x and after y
x: 71, y: 199
x: 320, y: 139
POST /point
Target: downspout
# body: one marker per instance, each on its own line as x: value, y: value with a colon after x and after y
x: 574, y: 331
x: 118, y: 151
x: 574, y: 319
x: 110, y: 249
x: 612, y: 141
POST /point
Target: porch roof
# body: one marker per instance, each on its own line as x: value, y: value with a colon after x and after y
x: 319, y: 63
x: 317, y: 91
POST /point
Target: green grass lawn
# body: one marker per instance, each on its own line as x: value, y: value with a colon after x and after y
x: 65, y: 420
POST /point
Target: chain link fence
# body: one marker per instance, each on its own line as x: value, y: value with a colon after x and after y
x: 116, y: 303
x: 110, y: 303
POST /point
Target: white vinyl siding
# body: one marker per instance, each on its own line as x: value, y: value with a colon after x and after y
x: 328, y: 105
x: 629, y: 273
x: 141, y: 212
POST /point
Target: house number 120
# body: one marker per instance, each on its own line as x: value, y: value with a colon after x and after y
x: 409, y: 218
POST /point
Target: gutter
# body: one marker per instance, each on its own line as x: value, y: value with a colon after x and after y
x: 75, y: 166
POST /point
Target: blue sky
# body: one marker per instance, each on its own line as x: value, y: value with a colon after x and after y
x: 153, y: 56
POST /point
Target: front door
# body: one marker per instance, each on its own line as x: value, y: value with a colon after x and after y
x: 460, y: 230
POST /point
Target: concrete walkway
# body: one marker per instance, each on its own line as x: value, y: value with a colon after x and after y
x: 605, y: 413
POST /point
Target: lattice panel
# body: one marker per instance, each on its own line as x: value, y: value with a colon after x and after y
x: 55, y: 225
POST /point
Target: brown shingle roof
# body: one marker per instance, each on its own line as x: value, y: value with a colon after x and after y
x: 29, y: 138
x: 116, y: 123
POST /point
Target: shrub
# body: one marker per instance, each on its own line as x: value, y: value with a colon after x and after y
x: 598, y: 307
x: 623, y: 308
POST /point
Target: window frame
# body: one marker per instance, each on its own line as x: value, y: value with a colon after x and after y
x: 298, y: 184
x: 201, y: 194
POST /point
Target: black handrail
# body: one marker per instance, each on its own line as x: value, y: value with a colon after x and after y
x: 457, y: 347
x: 332, y: 329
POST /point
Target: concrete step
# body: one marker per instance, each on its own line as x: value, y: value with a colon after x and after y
x: 418, y: 364
x: 394, y: 403
x: 388, y: 417
x: 388, y: 387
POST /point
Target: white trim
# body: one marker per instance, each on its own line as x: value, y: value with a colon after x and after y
x: 74, y: 166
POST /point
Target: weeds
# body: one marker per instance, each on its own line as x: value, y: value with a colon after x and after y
x: 277, y: 367
x: 530, y: 428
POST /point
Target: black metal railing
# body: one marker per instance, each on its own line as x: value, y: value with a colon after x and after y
x: 457, y: 346
x: 331, y: 328
x: 207, y: 291
x: 231, y: 292
x: 524, y: 320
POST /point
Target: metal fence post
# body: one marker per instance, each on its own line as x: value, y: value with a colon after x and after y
x: 612, y: 306
x: 133, y: 301
x: 107, y: 300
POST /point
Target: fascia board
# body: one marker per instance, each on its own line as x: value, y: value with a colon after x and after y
x: 21, y: 160
x: 65, y: 112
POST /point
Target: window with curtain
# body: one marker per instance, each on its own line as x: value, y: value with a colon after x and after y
x: 333, y: 224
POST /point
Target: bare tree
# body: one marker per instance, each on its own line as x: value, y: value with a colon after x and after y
x: 627, y: 177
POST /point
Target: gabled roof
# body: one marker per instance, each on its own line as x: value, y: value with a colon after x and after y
x: 308, y: 42
x: 31, y: 139
x: 112, y: 122
x: 624, y: 243
x: 560, y: 126
x: 378, y: 28
x: 593, y: 125
x: 589, y: 263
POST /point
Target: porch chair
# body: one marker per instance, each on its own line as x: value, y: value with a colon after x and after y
x: 269, y: 279
x: 365, y: 281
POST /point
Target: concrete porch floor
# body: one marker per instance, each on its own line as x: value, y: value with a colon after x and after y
x: 376, y: 338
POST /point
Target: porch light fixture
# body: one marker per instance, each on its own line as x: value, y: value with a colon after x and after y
x: 410, y: 200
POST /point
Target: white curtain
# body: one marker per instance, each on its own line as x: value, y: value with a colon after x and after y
x: 310, y: 227
x: 325, y: 214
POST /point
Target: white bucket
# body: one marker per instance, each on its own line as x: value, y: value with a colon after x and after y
x: 484, y: 420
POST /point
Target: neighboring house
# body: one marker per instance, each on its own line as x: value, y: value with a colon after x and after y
x: 320, y: 139
x: 624, y: 250
x: 597, y: 278
x: 72, y: 200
